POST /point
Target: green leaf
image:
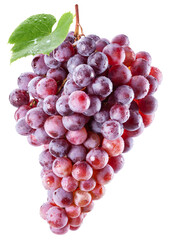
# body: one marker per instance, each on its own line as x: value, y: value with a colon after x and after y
x: 38, y: 37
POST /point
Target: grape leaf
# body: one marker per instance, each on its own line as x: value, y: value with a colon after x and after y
x: 35, y: 36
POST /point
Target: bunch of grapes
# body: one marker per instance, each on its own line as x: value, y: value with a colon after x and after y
x: 84, y: 103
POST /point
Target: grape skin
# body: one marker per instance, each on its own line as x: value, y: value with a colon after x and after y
x: 19, y: 97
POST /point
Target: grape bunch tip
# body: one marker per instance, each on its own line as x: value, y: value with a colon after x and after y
x: 84, y: 103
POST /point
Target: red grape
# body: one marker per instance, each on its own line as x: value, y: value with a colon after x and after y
x: 62, y: 166
x: 97, y: 158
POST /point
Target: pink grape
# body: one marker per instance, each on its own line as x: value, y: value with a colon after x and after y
x: 116, y: 162
x: 102, y: 86
x: 45, y: 87
x: 144, y: 55
x: 92, y: 141
x: 63, y: 52
x: 79, y: 101
x: 75, y: 222
x: 104, y: 175
x: 24, y: 79
x: 85, y: 46
x: 38, y: 65
x: 123, y: 94
x: 77, y: 153
x: 69, y: 184
x: 129, y: 56
x: 57, y: 217
x: 155, y: 72
x: 23, y: 128
x: 62, y: 106
x: 95, y: 106
x: 148, y: 105
x: 46, y: 159
x: 113, y: 147
x: 74, y: 61
x: 41, y: 136
x: 32, y: 140
x: 119, y: 74
x: 32, y: 86
x: 58, y: 74
x: 140, y: 86
x: 119, y: 112
x: 82, y: 171
x: 60, y: 231
x: 54, y: 126
x: 97, y: 158
x: 21, y: 112
x: 81, y: 198
x: 83, y: 75
x: 74, y: 122
x: 44, y: 209
x: 140, y: 67
x: 121, y: 39
x: 98, y: 61
x: 62, y: 166
x: 50, y: 61
x: 134, y: 122
x: 98, y: 192
x: 88, y: 208
x: 115, y: 53
x: 49, y: 105
x: 87, y: 185
x: 153, y: 84
x: 73, y: 211
x: 77, y: 137
x: 111, y: 129
x: 50, y: 181
x: 62, y: 198
x: 59, y: 147
x: 36, y: 117
x: 19, y: 97
x: 101, y: 43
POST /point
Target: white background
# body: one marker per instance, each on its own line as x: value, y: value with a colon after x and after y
x: 136, y: 205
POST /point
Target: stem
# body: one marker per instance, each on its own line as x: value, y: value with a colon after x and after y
x: 76, y: 33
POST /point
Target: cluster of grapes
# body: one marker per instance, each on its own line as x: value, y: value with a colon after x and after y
x: 84, y: 103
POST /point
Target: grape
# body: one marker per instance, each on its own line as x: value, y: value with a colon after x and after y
x: 79, y: 101
x: 50, y: 181
x: 88, y: 208
x: 102, y: 86
x: 74, y: 122
x: 116, y: 162
x: 50, y: 61
x: 69, y: 184
x: 32, y: 86
x: 111, y: 129
x: 136, y: 132
x: 147, y: 119
x: 32, y: 140
x: 148, y: 105
x: 62, y: 198
x: 101, y: 43
x: 144, y: 55
x: 98, y: 61
x: 153, y: 83
x: 82, y: 171
x: 96, y: 126
x: 95, y: 106
x: 60, y: 231
x: 58, y: 74
x: 119, y: 112
x: 24, y: 79
x: 85, y: 46
x: 140, y: 86
x: 70, y: 86
x: 38, y: 65
x: 129, y: 56
x: 77, y: 153
x: 69, y: 38
x: 45, y: 87
x: 123, y: 94
x: 36, y: 117
x: 73, y: 211
x: 59, y: 147
x: 49, y: 105
x: 104, y: 175
x: 102, y: 115
x: 21, y: 112
x: 62, y: 106
x: 75, y: 222
x: 19, y: 97
x: 98, y: 192
x: 54, y: 126
x: 74, y: 61
x: 46, y: 159
x: 81, y: 198
x: 62, y: 166
x: 134, y: 122
x: 23, y: 128
x: 57, y: 217
x: 119, y: 74
x: 97, y: 158
x: 87, y: 185
x: 128, y: 144
x: 92, y: 141
x: 113, y: 147
x: 155, y: 72
x: 134, y: 106
x: 83, y: 75
x: 63, y: 52
x: 77, y: 137
x: 44, y: 209
x: 121, y: 39
x: 140, y: 67
x: 115, y: 53
x: 94, y: 37
x: 50, y: 197
x: 41, y: 136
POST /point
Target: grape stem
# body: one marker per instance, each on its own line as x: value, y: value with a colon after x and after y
x: 76, y: 33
